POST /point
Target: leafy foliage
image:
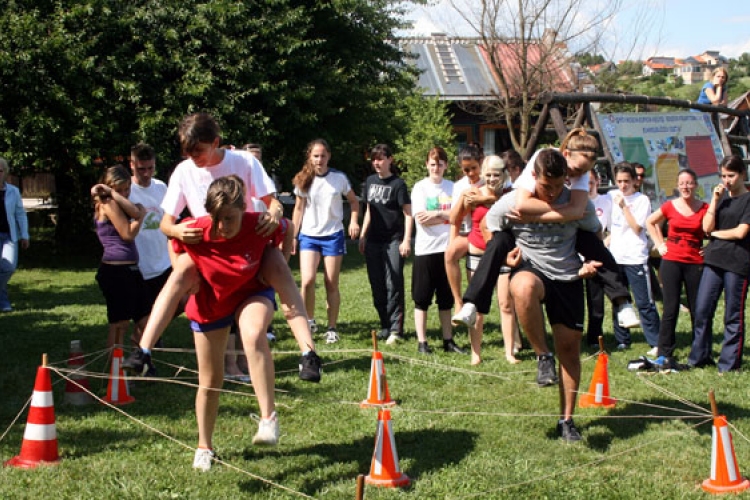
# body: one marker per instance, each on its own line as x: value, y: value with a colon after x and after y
x: 428, y: 126
x: 82, y: 80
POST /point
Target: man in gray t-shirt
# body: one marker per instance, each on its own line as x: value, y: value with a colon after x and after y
x: 550, y: 271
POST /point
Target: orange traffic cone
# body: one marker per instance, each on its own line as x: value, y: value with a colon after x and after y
x: 39, y: 445
x: 725, y: 474
x: 598, y: 395
x: 76, y: 393
x: 117, y: 391
x: 384, y: 470
x: 377, y: 392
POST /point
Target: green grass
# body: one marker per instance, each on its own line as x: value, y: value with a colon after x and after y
x: 486, y: 432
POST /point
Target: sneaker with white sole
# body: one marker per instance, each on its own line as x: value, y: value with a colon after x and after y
x: 394, y: 338
x: 626, y: 317
x: 268, y: 431
x: 203, y: 459
x: 331, y: 336
x: 313, y: 325
x: 467, y: 315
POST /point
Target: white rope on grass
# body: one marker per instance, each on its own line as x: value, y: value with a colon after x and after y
x: 589, y: 464
x: 177, y: 441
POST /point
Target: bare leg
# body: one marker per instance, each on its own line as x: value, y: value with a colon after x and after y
x: 183, y: 280
x: 445, y: 323
x: 116, y: 333
x: 457, y: 248
x: 332, y: 267
x: 507, y: 318
x: 276, y: 273
x: 230, y: 357
x: 420, y: 324
x: 209, y: 349
x: 253, y: 318
x: 568, y: 349
x: 527, y: 291
x: 308, y: 267
x: 475, y: 335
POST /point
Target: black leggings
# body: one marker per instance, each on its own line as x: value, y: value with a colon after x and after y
x: 673, y: 275
x: 588, y: 244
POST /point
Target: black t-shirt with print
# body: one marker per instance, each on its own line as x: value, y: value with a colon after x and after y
x: 730, y: 255
x: 386, y: 198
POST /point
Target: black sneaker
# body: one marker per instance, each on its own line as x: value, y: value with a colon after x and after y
x: 310, y: 367
x: 424, y: 348
x: 568, y: 432
x: 450, y: 346
x: 139, y: 363
x: 546, y: 373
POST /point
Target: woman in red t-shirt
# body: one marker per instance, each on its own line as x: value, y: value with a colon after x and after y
x: 682, y: 257
x: 228, y: 258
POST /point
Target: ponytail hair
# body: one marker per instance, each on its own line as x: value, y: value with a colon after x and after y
x: 304, y: 178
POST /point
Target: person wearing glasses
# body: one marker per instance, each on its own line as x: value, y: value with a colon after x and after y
x: 682, y: 259
x: 640, y: 174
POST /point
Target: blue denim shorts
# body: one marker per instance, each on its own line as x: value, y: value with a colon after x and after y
x: 226, y: 321
x: 332, y: 245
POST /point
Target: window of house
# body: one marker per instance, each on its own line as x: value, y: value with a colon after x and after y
x: 495, y: 139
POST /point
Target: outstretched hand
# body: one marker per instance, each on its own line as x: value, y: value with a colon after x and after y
x: 589, y: 269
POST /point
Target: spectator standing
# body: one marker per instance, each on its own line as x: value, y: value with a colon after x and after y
x: 14, y: 232
x: 118, y: 221
x: 319, y: 227
x: 594, y: 291
x: 629, y: 247
x: 682, y: 259
x: 715, y: 91
x: 385, y: 240
x: 726, y: 266
x: 431, y: 205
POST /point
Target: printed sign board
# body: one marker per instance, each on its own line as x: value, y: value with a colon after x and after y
x: 665, y: 143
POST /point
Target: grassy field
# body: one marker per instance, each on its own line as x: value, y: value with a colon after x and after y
x: 461, y: 431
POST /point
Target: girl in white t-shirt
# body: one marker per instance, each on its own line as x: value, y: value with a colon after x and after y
x: 319, y: 229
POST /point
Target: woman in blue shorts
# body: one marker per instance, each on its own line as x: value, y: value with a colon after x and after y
x: 319, y: 225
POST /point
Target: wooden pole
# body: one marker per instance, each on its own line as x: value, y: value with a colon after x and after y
x: 714, y: 408
x: 374, y: 340
x: 360, y: 495
x: 44, y: 359
x: 601, y: 343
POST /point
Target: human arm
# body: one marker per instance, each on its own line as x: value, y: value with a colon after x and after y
x: 270, y: 220
x: 716, y: 93
x: 709, y: 219
x: 299, y: 211
x: 365, y: 228
x: 126, y: 227
x: 627, y: 212
x: 531, y: 209
x: 131, y: 210
x: 354, y: 228
x: 405, y: 247
x: 653, y: 225
x: 183, y: 231
x: 22, y: 221
x: 736, y: 233
x: 289, y: 243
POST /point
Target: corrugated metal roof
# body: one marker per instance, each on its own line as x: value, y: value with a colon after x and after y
x: 451, y: 68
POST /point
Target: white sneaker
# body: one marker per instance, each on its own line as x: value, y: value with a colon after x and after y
x: 394, y: 338
x: 331, y: 336
x: 203, y: 459
x: 626, y: 317
x: 653, y: 352
x: 466, y: 316
x: 268, y: 431
x: 313, y: 325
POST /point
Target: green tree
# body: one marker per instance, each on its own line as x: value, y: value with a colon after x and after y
x: 588, y: 59
x: 82, y: 80
x: 428, y: 124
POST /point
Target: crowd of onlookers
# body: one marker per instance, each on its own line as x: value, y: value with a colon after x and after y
x: 214, y: 243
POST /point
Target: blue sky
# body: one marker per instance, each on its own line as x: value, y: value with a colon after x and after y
x: 678, y: 28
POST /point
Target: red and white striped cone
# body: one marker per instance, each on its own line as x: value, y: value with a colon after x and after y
x: 76, y: 393
x: 725, y: 473
x: 117, y: 390
x: 39, y: 445
x: 377, y: 391
x: 385, y: 470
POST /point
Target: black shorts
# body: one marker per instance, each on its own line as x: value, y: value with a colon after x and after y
x: 152, y: 287
x: 122, y: 287
x: 428, y: 279
x: 563, y: 300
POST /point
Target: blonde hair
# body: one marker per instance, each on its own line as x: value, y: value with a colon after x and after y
x: 718, y: 70
x: 579, y: 141
x: 494, y: 162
